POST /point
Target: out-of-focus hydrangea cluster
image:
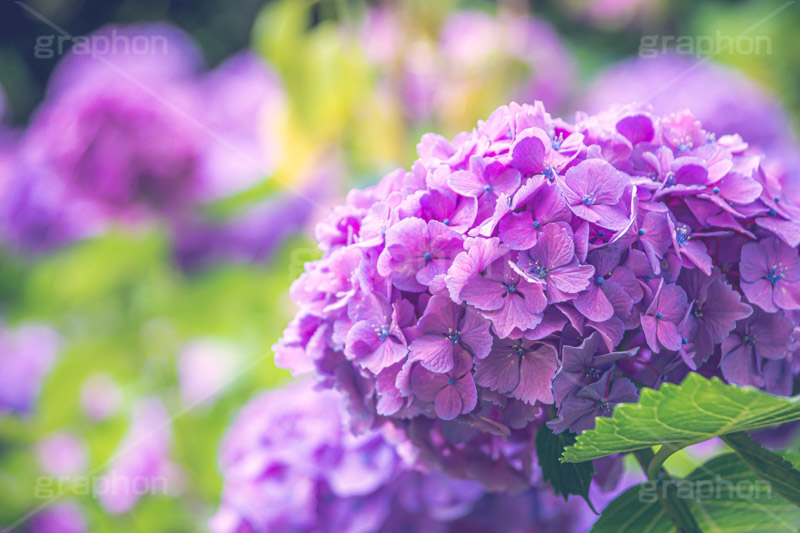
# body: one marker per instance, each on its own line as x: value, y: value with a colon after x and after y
x: 730, y: 104
x: 535, y: 271
x: 290, y: 464
x: 128, y: 136
x: 466, y: 61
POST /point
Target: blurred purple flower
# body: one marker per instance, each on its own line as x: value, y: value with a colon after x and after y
x: 61, y: 454
x: 205, y: 368
x: 100, y: 397
x: 435, y: 74
x: 127, y: 136
x: 60, y: 517
x: 27, y: 353
x: 723, y: 99
x: 294, y: 466
x: 141, y: 464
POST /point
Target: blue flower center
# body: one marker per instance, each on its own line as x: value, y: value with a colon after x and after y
x: 776, y: 274
x: 446, y: 222
x: 588, y: 199
x: 684, y: 340
x: 683, y: 235
x: 427, y: 256
x: 684, y: 145
x: 454, y: 336
x: 659, y: 315
x: 697, y: 311
x: 604, y: 408
x: 511, y: 287
x: 536, y: 224
x: 556, y: 141
x: 772, y: 213
x: 669, y: 178
x: 539, y: 271
x: 550, y: 173
x: 641, y: 232
x: 592, y: 373
x: 600, y: 280
x: 519, y: 350
x: 487, y: 188
x: 451, y: 381
x: 382, y: 332
x: 715, y: 190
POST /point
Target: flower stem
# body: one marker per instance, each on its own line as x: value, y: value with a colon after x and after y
x: 675, y: 507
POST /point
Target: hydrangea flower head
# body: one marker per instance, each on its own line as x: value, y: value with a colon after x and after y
x: 590, y: 258
x: 289, y: 463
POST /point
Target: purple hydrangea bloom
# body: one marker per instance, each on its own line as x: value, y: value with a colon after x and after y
x: 617, y: 251
x: 27, y: 353
x: 579, y: 410
x: 289, y: 463
x: 754, y: 342
x: 771, y: 275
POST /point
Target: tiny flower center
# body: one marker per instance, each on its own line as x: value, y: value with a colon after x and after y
x: 487, y: 188
x: 592, y: 373
x: 557, y: 140
x: 427, y: 256
x: 600, y: 280
x: 641, y: 232
x: 604, y: 408
x: 659, y: 315
x: 382, y: 332
x: 446, y: 222
x: 454, y: 336
x: 683, y: 235
x: 451, y: 381
x: 776, y: 274
x: 539, y: 271
x: 536, y: 224
x: 511, y: 287
x: 588, y: 199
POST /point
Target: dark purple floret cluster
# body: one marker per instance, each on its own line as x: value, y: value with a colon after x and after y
x: 535, y: 271
x: 289, y: 464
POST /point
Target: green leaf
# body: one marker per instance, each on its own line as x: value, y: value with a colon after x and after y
x: 566, y: 478
x: 681, y: 415
x: 723, y: 495
x: 770, y: 467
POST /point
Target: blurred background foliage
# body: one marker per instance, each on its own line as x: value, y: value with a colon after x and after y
x: 122, y: 306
